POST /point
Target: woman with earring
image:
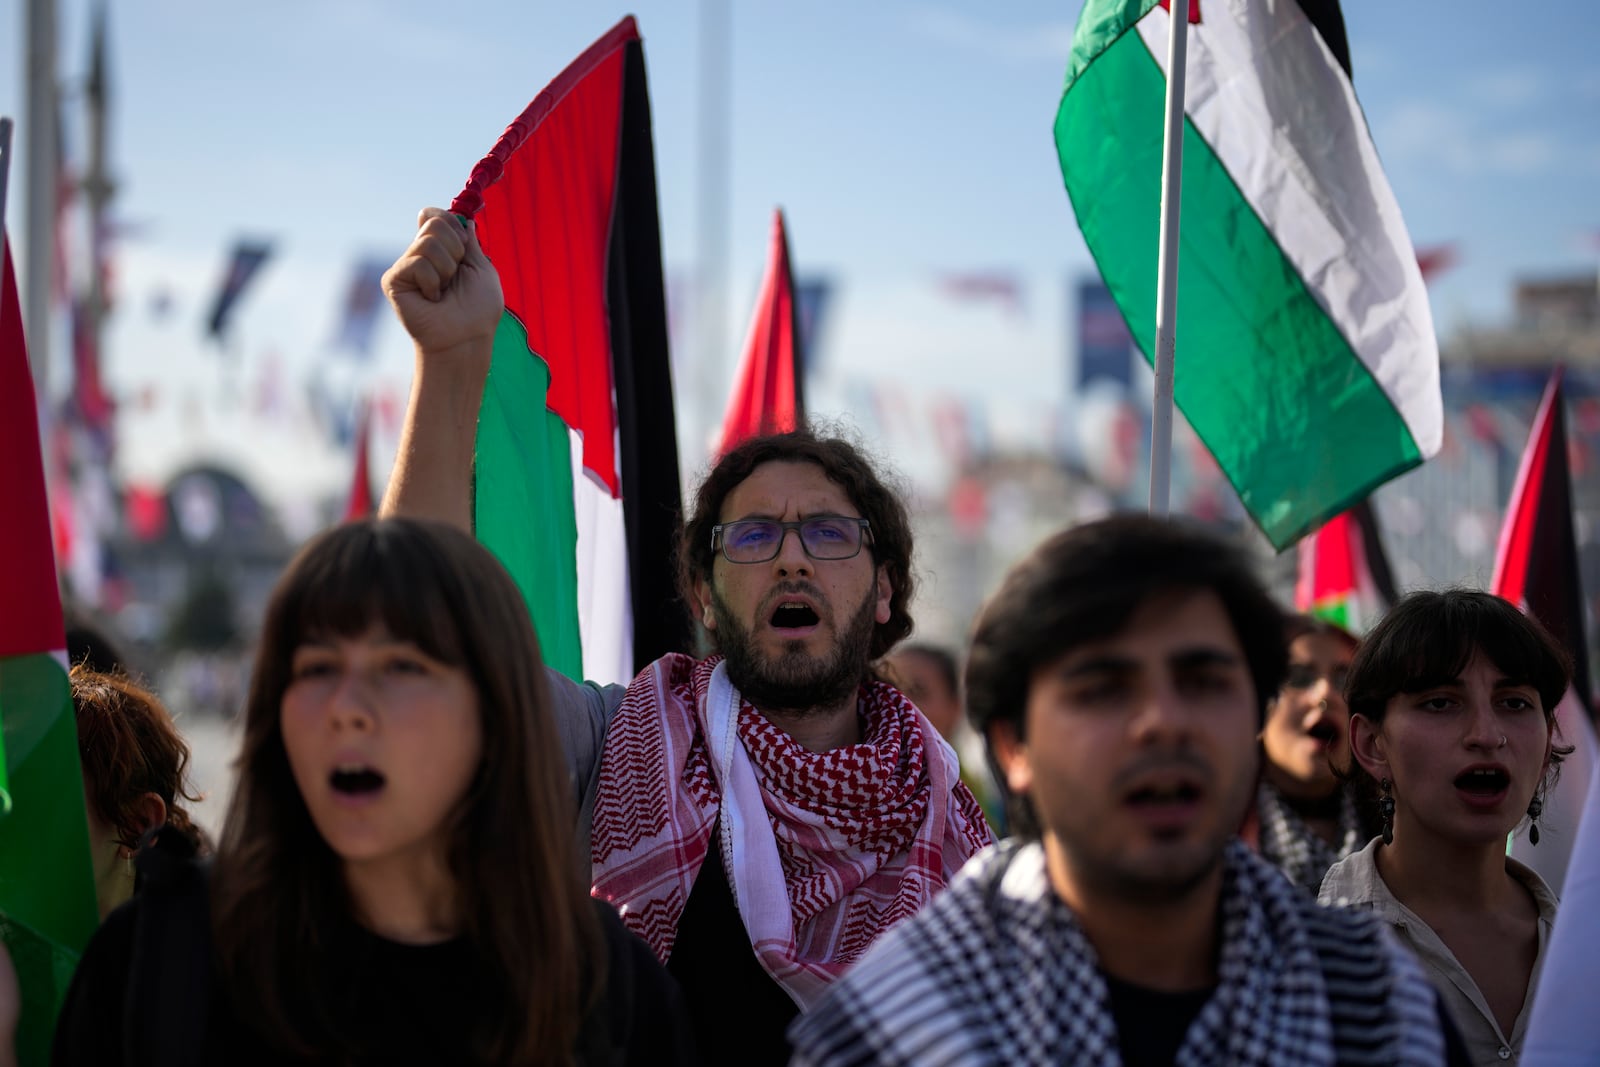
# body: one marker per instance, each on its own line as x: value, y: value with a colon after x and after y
x: 1452, y: 699
x: 1305, y: 818
x: 396, y: 880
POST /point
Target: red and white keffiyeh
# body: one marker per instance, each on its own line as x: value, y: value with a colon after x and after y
x: 824, y: 851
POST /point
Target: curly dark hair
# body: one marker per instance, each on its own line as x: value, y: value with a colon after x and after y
x: 846, y: 467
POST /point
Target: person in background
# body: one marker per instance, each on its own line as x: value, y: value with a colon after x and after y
x: 1452, y: 699
x: 1121, y: 674
x: 928, y: 675
x: 134, y: 767
x: 394, y: 881
x: 1305, y: 817
x: 761, y: 815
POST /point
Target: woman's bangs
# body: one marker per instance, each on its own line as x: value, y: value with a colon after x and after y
x: 378, y: 581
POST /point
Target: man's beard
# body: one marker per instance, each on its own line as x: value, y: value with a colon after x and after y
x: 796, y: 682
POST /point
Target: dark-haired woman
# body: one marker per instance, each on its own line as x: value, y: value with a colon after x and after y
x: 396, y: 880
x: 1305, y: 817
x: 1452, y: 699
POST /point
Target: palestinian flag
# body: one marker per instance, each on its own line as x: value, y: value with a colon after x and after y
x: 1306, y: 357
x: 1344, y: 572
x: 768, y: 396
x: 47, y: 902
x: 576, y: 478
x: 1536, y: 568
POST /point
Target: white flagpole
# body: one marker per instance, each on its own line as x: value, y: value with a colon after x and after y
x: 1167, y: 263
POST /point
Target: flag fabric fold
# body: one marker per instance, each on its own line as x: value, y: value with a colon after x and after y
x: 1536, y: 568
x: 47, y: 902
x: 576, y: 475
x: 1306, y: 356
x: 768, y: 395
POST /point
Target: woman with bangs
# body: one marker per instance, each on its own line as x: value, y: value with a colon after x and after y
x: 1452, y: 699
x: 397, y: 879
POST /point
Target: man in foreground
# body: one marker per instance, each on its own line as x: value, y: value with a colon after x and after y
x: 1120, y: 676
x: 761, y: 816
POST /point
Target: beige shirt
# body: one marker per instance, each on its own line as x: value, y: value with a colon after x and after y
x: 1354, y: 882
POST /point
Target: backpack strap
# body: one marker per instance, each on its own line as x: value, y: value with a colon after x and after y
x: 167, y: 1002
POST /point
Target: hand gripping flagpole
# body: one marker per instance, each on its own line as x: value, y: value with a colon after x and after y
x: 1167, y: 264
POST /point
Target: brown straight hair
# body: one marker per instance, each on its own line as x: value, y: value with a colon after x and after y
x: 524, y: 908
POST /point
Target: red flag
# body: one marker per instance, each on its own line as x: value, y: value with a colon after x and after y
x: 360, y: 505
x: 29, y: 581
x: 1536, y: 568
x: 767, y: 398
x: 1344, y: 574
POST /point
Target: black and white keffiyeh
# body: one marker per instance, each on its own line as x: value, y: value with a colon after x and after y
x: 998, y: 971
x: 1297, y: 850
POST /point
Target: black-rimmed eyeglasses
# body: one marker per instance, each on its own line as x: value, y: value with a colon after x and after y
x: 822, y: 537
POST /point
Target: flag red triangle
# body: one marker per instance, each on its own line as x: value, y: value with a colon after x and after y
x: 767, y: 395
x: 1536, y: 566
x: 31, y: 621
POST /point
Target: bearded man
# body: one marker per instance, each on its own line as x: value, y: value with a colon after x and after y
x: 761, y: 816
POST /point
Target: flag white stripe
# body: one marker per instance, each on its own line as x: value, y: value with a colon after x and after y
x: 1279, y: 114
x: 605, y: 614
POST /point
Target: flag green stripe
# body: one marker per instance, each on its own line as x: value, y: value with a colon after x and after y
x: 1261, y: 370
x: 46, y: 880
x: 1100, y: 26
x: 523, y: 499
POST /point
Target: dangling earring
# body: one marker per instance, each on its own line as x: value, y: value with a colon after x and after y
x: 1535, y: 809
x: 1386, y: 810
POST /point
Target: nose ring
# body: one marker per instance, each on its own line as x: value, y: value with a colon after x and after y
x: 1502, y: 740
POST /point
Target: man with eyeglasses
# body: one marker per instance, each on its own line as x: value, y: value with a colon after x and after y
x: 761, y: 816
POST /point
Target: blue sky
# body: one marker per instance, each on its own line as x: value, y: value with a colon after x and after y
x: 903, y: 139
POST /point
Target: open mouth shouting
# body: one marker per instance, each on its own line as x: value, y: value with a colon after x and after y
x: 1324, y: 732
x: 794, y: 615
x: 1483, y: 786
x: 355, y: 783
x: 1166, y: 802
